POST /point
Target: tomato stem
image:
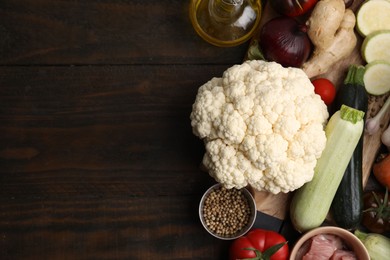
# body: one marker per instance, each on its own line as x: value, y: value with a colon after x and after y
x: 267, y: 254
x: 382, y: 210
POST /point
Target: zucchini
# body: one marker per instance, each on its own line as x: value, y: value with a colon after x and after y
x: 347, y: 205
x: 311, y: 203
x: 377, y: 245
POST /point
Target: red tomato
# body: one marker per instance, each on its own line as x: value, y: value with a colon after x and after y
x: 293, y: 8
x: 325, y: 89
x: 260, y: 240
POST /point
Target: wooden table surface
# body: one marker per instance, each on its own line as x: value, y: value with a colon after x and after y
x: 97, y: 156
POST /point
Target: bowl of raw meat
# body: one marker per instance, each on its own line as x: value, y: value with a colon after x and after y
x: 329, y: 242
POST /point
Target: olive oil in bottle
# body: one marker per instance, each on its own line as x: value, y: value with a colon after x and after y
x: 225, y: 22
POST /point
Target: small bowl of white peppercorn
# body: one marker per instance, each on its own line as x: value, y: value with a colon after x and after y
x: 227, y: 213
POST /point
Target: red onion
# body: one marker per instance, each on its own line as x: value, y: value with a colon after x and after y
x: 285, y: 41
x: 293, y: 8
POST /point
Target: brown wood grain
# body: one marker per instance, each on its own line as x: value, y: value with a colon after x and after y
x: 100, y: 162
x: 104, y: 32
x: 111, y: 123
x: 105, y: 228
x: 97, y: 156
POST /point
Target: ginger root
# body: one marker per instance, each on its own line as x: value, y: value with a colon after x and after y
x: 324, y: 22
x: 333, y: 38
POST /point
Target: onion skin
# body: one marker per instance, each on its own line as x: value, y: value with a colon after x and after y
x: 293, y: 8
x: 285, y: 41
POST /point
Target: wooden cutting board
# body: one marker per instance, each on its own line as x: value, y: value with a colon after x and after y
x: 278, y: 205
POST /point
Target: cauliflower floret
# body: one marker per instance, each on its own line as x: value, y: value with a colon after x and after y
x: 262, y: 125
x: 209, y: 108
x: 226, y: 164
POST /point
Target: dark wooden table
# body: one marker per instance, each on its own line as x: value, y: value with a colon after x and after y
x: 97, y: 156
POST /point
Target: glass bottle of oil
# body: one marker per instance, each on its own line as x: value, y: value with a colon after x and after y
x: 225, y: 22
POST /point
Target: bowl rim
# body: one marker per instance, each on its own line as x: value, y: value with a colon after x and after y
x: 347, y: 236
x: 252, y: 204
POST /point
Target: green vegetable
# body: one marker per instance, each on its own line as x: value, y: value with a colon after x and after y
x: 347, y: 205
x: 378, y: 246
x: 373, y: 16
x: 254, y: 52
x: 377, y: 76
x: 376, y: 46
x: 311, y: 203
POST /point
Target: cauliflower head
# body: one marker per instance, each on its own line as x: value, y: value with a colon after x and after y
x: 262, y: 125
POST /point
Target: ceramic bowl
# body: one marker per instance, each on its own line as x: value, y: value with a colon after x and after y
x: 350, y: 240
x: 245, y: 229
